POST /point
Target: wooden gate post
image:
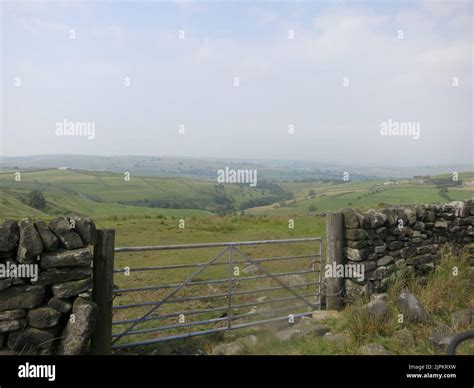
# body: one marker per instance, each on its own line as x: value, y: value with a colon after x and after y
x: 334, y: 256
x: 101, y: 342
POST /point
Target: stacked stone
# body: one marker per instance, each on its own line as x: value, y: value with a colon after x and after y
x: 410, y: 236
x: 35, y: 316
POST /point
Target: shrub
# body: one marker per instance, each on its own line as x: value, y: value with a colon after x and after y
x: 36, y: 200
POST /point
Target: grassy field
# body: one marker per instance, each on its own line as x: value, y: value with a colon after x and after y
x: 107, y: 198
x: 311, y: 198
x: 214, y: 229
x: 64, y: 204
x: 112, y: 188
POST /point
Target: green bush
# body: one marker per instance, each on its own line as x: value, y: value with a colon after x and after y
x: 36, y: 200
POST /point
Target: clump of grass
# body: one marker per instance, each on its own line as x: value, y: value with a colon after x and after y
x: 450, y: 287
x: 360, y: 325
x: 398, y: 282
x: 356, y: 321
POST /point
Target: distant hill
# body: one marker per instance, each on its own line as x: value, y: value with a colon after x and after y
x: 281, y: 170
x: 185, y: 167
x: 81, y: 189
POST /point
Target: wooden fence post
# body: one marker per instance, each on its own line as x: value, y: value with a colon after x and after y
x: 334, y: 256
x: 103, y: 271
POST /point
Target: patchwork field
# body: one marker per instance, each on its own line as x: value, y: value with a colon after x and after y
x: 106, y: 194
x: 313, y: 199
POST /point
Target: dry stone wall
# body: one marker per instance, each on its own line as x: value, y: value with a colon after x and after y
x: 46, y: 286
x: 410, y: 236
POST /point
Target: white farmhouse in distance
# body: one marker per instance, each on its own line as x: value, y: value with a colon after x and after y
x: 64, y: 168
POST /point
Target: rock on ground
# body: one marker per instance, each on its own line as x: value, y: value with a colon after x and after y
x: 377, y: 310
x: 411, y: 308
x: 77, y: 334
x: 373, y: 349
x: 250, y: 270
x: 231, y: 349
x: 289, y: 333
x: 315, y: 329
x: 382, y: 296
x: 236, y: 347
x: 308, y: 325
x: 248, y: 341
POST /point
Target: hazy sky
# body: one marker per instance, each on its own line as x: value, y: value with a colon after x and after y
x: 72, y: 60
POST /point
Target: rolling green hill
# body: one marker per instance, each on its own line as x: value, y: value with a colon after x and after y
x: 102, y: 194
x: 64, y: 204
x: 109, y: 193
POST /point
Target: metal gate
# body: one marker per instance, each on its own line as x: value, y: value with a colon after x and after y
x: 241, y: 289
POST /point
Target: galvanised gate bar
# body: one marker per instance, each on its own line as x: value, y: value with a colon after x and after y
x: 234, y: 294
